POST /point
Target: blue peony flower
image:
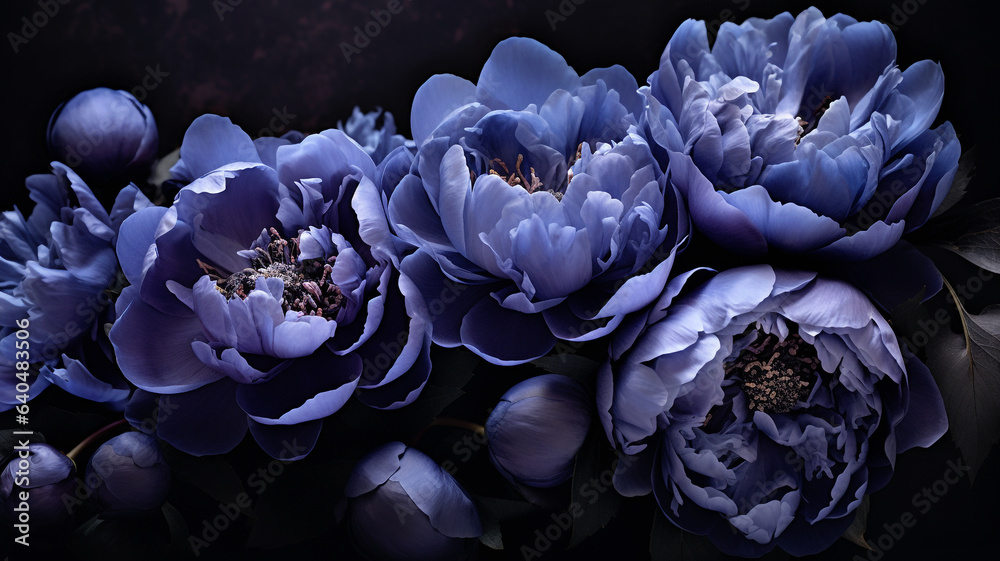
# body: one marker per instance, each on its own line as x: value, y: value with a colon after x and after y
x: 401, y: 505
x: 55, y: 267
x: 762, y: 406
x: 104, y: 134
x: 47, y: 476
x: 128, y: 476
x: 537, y: 428
x: 537, y: 211
x: 257, y: 301
x: 377, y: 142
x: 800, y: 135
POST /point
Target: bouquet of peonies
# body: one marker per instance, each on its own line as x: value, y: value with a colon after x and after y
x: 564, y: 293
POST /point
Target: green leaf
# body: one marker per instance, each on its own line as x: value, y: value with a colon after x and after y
x: 594, y: 498
x: 978, y: 237
x: 967, y: 369
x: 856, y: 532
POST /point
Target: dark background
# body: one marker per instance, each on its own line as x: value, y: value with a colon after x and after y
x: 266, y: 56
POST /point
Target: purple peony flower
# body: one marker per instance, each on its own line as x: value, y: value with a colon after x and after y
x: 537, y: 214
x: 378, y: 142
x: 762, y: 406
x: 537, y: 428
x: 801, y: 136
x: 401, y: 505
x: 128, y: 476
x: 104, y: 134
x: 257, y: 302
x: 55, y: 267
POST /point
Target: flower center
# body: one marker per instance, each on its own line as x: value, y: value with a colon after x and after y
x: 308, y: 288
x: 807, y: 126
x: 515, y: 177
x: 775, y: 375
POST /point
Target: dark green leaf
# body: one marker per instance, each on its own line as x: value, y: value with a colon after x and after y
x: 594, y: 499
x: 856, y: 532
x: 491, y: 538
x: 123, y: 539
x: 906, y: 316
x: 978, y: 237
x: 212, y: 474
x: 452, y: 369
x: 967, y: 369
x: 669, y: 543
x: 298, y: 504
x: 574, y: 366
x: 966, y: 167
x: 504, y: 509
x: 179, y: 532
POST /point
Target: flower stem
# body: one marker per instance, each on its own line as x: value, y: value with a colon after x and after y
x: 87, y: 441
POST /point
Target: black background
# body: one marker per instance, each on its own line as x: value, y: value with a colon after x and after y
x: 267, y: 55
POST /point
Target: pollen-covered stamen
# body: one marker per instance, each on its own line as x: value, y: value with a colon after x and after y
x: 775, y: 375
x: 308, y: 288
x: 516, y: 178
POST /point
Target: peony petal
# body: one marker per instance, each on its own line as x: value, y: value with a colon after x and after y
x: 212, y: 142
x: 159, y: 360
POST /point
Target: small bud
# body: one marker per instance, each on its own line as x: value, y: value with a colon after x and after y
x: 104, y: 135
x: 537, y: 428
x: 128, y: 475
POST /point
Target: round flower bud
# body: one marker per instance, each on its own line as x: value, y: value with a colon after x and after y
x: 128, y: 475
x: 32, y: 488
x: 103, y: 134
x: 402, y: 505
x: 537, y: 428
